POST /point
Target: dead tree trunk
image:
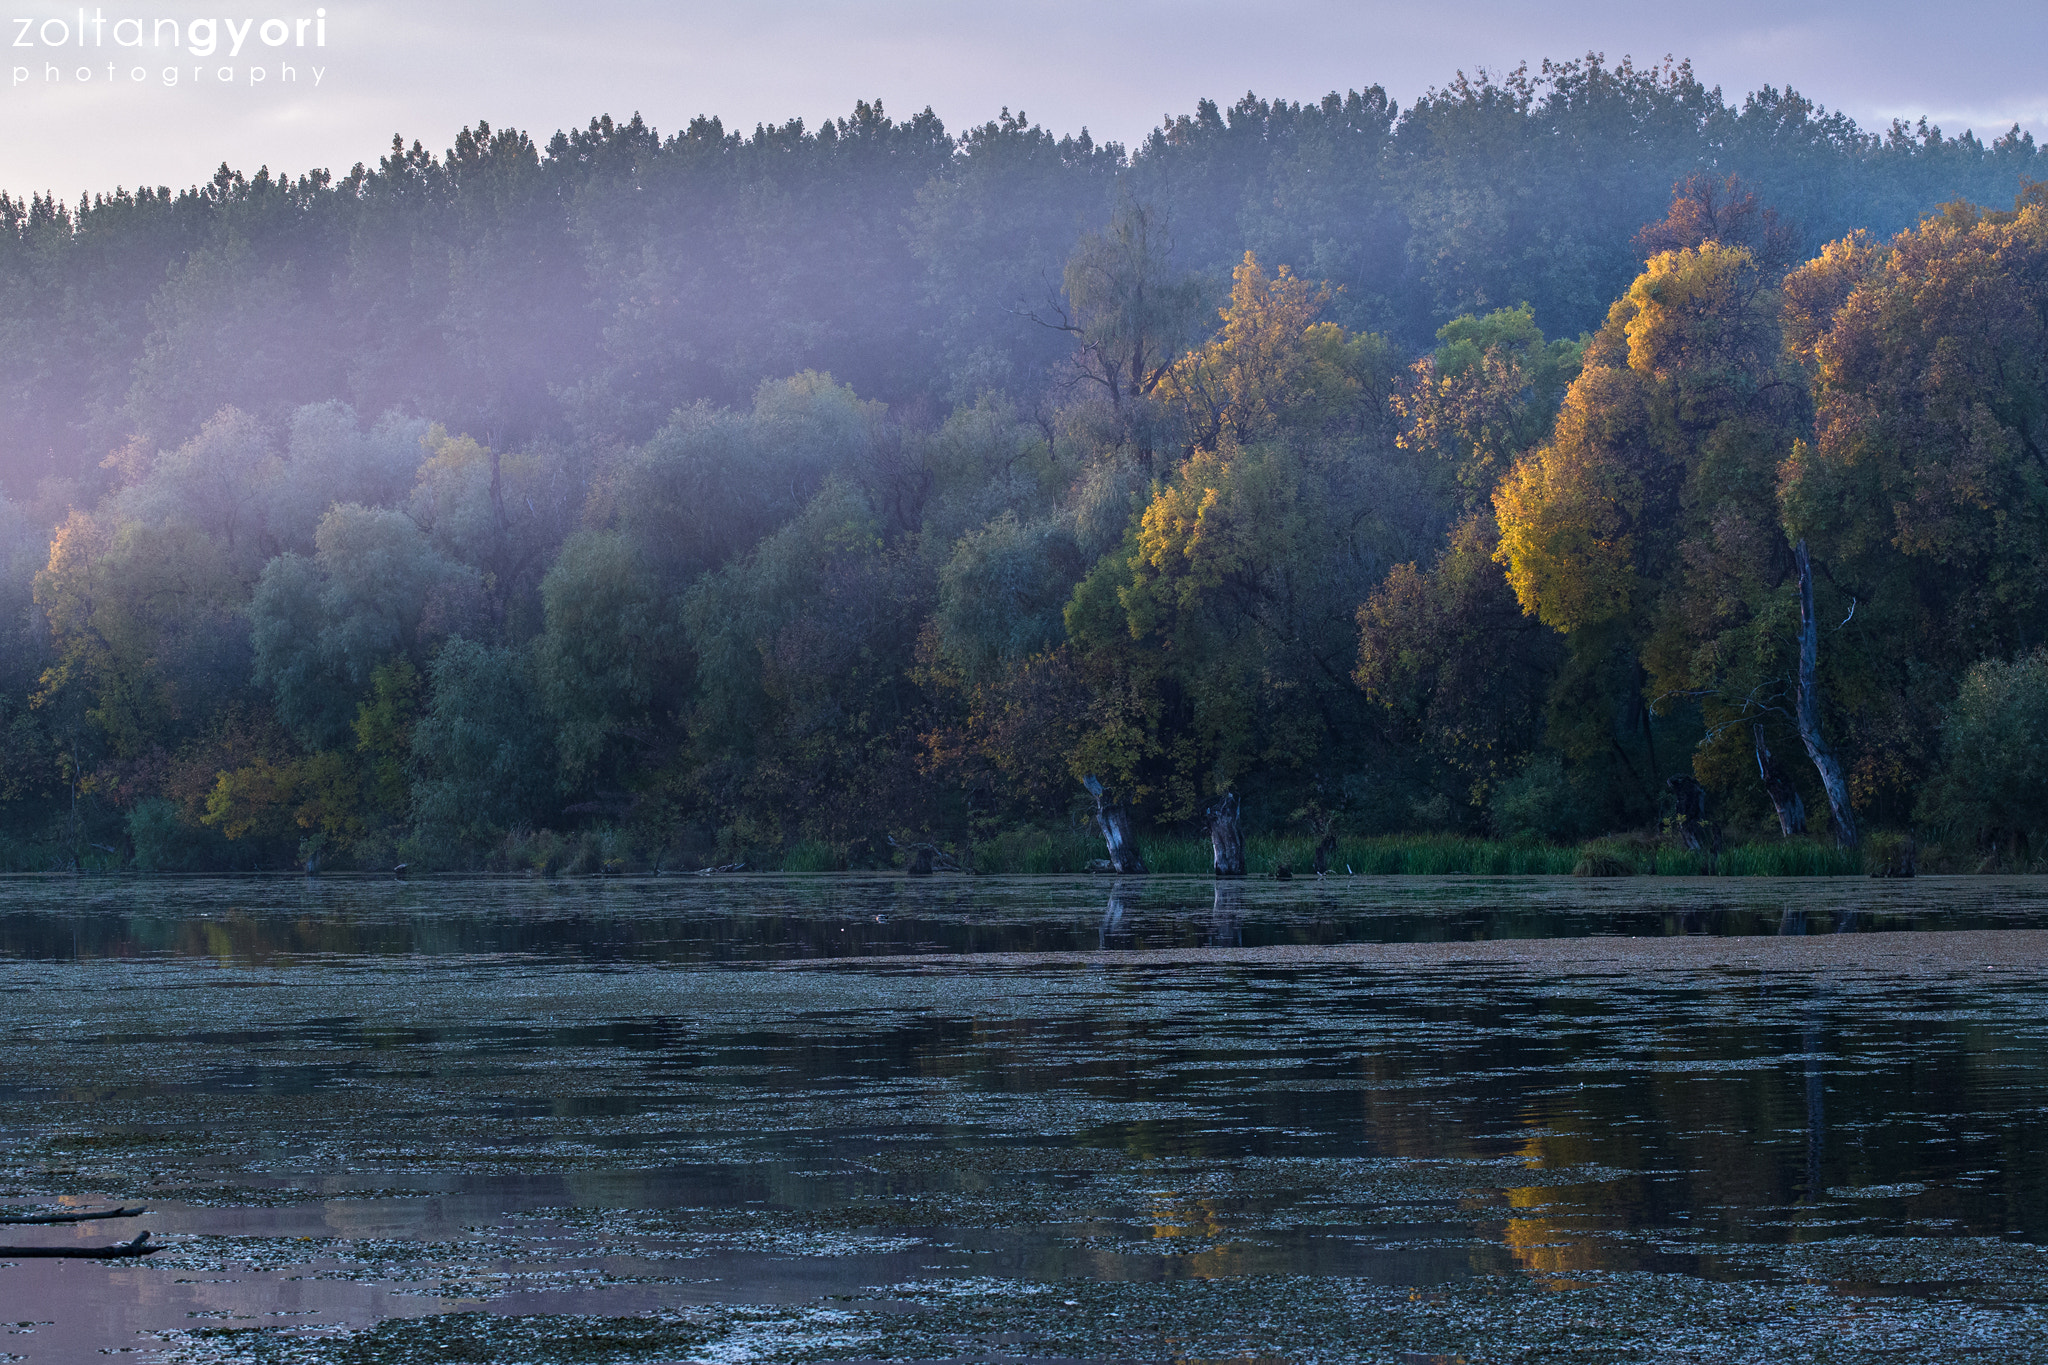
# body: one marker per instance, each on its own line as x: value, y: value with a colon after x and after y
x: 1226, y: 837
x: 1695, y: 831
x: 1785, y: 797
x: 1808, y: 707
x: 1325, y: 845
x: 1116, y: 832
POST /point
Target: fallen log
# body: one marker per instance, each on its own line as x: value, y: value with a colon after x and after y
x: 141, y: 1246
x: 71, y: 1215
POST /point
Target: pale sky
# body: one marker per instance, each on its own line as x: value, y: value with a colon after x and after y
x: 426, y: 69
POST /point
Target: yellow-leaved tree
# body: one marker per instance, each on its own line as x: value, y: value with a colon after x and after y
x: 1646, y: 529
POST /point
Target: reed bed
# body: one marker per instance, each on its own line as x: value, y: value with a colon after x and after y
x: 1035, y: 852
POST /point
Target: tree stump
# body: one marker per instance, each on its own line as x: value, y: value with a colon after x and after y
x: 1901, y: 859
x: 1115, y: 825
x: 1226, y: 837
x: 1695, y: 831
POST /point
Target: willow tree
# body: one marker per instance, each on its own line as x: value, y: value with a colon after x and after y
x: 1445, y: 650
x: 1647, y: 530
x: 1219, y: 636
x: 1924, y: 490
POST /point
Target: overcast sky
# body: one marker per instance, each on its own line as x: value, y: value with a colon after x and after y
x: 425, y: 69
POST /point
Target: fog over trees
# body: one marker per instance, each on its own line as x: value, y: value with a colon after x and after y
x: 1486, y: 465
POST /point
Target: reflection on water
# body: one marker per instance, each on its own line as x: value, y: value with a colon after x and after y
x: 1115, y: 933
x: 776, y: 919
x: 816, y: 1119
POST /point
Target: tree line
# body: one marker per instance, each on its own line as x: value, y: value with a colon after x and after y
x: 1572, y: 451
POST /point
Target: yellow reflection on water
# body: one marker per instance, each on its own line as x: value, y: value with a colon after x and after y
x: 1548, y: 1246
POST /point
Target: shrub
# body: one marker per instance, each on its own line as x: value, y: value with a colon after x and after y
x: 163, y: 842
x: 1540, y: 802
x: 1993, y: 778
x: 1599, y: 863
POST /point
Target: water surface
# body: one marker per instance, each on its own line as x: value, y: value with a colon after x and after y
x: 1030, y: 1119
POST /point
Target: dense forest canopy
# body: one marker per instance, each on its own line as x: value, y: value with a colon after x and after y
x: 1500, y: 464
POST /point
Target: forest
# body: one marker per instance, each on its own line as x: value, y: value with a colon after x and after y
x: 1573, y: 454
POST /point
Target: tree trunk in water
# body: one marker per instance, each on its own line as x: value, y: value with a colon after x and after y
x: 1226, y: 837
x: 1808, y: 707
x: 1785, y: 797
x: 1326, y: 843
x: 1116, y: 832
x: 1694, y: 829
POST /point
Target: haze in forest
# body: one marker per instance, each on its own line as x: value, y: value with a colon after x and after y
x: 1569, y: 453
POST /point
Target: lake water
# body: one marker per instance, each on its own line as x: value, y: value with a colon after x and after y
x: 845, y: 1118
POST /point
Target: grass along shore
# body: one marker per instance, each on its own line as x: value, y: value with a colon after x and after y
x: 1073, y: 851
x: 1077, y: 851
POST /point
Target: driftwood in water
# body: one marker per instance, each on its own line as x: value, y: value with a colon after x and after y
x: 141, y: 1246
x: 1226, y: 837
x: 1115, y: 825
x: 1807, y: 707
x: 71, y: 1215
x: 1778, y: 785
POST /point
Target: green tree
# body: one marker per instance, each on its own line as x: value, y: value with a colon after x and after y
x: 1992, y: 780
x: 375, y: 590
x: 483, y: 756
x: 1131, y: 312
x: 1218, y: 637
x: 611, y: 664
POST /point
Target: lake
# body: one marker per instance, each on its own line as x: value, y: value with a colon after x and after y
x: 1029, y: 1119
